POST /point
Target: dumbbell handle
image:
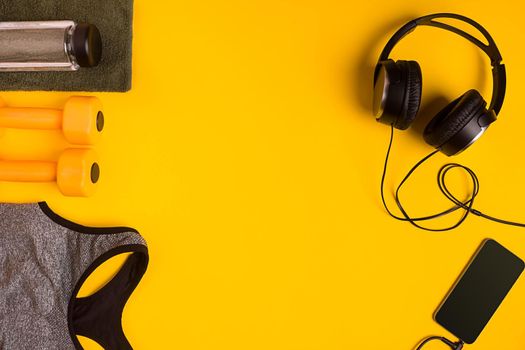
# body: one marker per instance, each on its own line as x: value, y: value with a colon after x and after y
x: 31, y: 118
x: 27, y: 171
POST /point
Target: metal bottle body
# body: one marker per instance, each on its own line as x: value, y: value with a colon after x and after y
x: 38, y: 46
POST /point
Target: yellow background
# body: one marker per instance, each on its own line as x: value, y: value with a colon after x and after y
x: 247, y: 156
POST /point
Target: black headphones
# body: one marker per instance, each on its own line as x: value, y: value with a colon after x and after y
x: 398, y: 85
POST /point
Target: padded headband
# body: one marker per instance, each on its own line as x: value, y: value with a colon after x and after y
x: 499, y: 79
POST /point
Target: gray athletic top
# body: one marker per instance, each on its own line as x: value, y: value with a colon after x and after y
x: 44, y: 260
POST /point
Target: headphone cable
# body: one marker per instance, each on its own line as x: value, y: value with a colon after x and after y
x: 454, y: 346
x: 466, y: 205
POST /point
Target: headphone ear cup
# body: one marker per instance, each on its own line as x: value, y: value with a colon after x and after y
x: 413, y: 89
x: 397, y: 92
x: 454, y: 118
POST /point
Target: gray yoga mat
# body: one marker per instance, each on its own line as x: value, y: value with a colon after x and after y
x: 114, y: 20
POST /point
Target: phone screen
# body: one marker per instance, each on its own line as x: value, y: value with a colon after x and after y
x: 479, y: 291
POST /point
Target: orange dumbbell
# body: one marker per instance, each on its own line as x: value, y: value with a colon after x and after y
x: 81, y: 120
x: 76, y: 171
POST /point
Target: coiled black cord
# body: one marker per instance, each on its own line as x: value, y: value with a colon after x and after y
x: 454, y: 346
x: 466, y: 205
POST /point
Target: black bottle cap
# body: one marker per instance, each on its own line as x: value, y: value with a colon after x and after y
x: 87, y: 45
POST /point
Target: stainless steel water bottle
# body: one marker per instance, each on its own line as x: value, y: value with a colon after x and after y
x: 48, y: 46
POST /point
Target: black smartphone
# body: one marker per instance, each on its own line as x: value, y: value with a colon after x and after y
x: 479, y: 291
